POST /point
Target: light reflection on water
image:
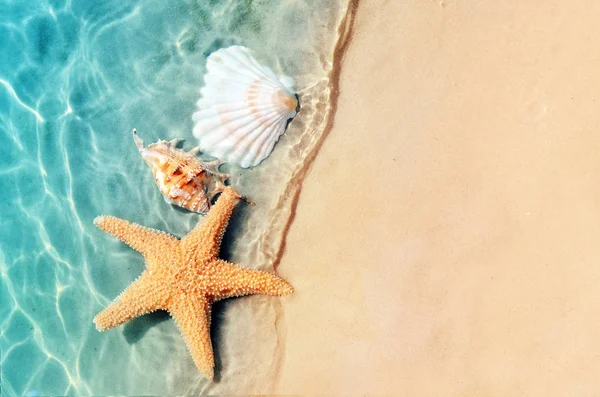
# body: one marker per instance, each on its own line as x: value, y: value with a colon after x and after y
x: 75, y: 77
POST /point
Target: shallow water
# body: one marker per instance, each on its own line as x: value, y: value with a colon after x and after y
x: 75, y: 77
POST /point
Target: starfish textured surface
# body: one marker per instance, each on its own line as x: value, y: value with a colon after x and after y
x: 185, y: 277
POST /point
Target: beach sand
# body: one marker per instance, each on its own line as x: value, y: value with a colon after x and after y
x: 447, y: 239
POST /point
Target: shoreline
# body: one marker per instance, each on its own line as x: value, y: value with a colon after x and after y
x: 294, y: 187
x: 290, y: 197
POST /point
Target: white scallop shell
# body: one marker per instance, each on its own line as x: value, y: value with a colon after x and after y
x: 244, y: 108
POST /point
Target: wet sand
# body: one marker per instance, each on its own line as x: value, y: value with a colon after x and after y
x: 447, y: 237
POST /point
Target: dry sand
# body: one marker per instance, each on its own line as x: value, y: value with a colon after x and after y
x: 447, y: 239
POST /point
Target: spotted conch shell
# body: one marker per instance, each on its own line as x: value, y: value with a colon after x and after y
x: 244, y: 108
x: 182, y: 178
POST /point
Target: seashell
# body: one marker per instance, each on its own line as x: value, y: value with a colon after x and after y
x: 244, y: 107
x: 182, y: 178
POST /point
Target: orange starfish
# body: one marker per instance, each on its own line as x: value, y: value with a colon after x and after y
x: 185, y: 277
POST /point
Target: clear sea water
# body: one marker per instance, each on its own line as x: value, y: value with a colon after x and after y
x: 75, y: 77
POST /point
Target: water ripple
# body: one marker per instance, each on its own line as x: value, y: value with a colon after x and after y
x: 75, y: 77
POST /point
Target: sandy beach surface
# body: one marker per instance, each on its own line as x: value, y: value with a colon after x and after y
x: 447, y: 239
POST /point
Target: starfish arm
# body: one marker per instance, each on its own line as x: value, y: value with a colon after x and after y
x: 235, y: 280
x: 143, y: 296
x: 192, y: 316
x: 142, y: 239
x: 207, y: 235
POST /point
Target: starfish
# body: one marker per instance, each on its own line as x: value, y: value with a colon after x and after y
x: 185, y: 277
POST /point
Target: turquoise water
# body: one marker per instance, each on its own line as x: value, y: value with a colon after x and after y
x: 75, y: 77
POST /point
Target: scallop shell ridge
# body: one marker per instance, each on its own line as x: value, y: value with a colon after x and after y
x: 244, y: 108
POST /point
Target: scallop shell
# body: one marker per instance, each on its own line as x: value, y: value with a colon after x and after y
x: 244, y: 108
x: 182, y: 178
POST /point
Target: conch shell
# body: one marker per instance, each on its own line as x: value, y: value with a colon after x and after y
x: 182, y: 178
